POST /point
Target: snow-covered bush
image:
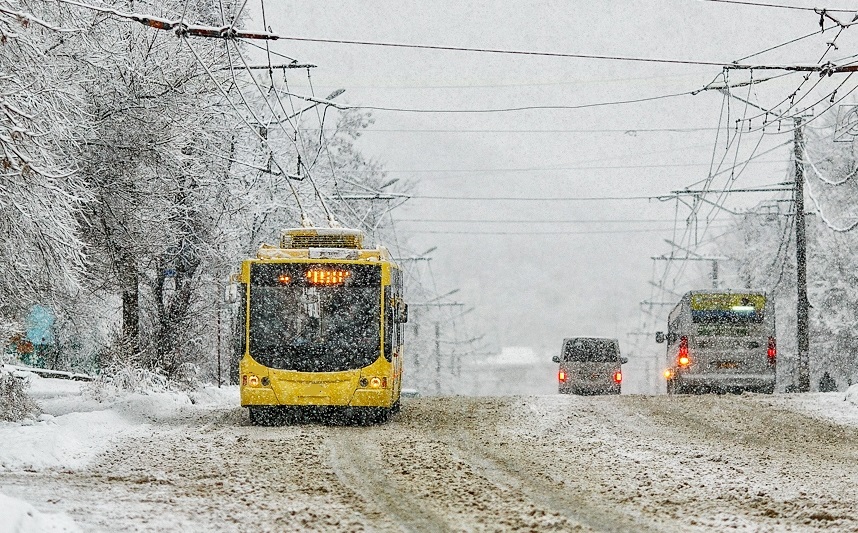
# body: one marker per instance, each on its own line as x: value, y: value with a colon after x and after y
x: 118, y: 380
x: 15, y: 405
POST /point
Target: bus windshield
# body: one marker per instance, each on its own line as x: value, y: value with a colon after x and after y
x: 713, y: 308
x: 314, y: 317
x: 591, y: 351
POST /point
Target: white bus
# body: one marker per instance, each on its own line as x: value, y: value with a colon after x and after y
x: 721, y: 341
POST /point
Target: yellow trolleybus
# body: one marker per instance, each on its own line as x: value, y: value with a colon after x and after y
x: 320, y: 329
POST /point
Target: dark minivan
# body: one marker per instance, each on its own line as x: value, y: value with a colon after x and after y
x: 590, y: 365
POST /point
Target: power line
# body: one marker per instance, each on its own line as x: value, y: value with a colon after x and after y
x: 511, y: 109
x: 549, y: 169
x: 594, y: 232
x: 530, y: 221
x: 627, y: 131
x: 541, y: 199
x: 498, y: 51
x: 785, y: 43
x: 781, y: 6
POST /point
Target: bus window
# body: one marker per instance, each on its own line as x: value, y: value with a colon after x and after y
x: 388, y: 330
x: 727, y: 308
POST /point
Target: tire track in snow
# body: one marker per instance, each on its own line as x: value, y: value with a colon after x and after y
x: 354, y: 458
x: 475, y: 431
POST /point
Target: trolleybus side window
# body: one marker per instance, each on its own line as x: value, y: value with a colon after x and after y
x: 388, y: 327
x: 239, y: 337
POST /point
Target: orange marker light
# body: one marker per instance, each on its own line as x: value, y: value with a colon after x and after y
x: 667, y: 374
x: 561, y: 375
x: 284, y: 278
x: 618, y: 377
x: 683, y: 361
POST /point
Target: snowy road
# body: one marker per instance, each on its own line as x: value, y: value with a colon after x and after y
x: 547, y: 463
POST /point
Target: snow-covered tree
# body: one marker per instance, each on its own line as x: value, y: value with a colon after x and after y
x: 41, y: 189
x: 764, y: 247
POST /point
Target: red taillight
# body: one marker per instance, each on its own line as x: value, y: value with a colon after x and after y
x: 561, y: 375
x: 772, y: 351
x: 682, y: 358
x: 618, y: 377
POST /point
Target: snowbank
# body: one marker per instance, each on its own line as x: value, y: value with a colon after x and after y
x: 852, y: 395
x: 75, y: 428
x: 20, y: 517
x: 835, y: 407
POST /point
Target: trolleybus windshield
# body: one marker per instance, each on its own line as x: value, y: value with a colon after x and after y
x: 315, y: 317
x: 713, y: 308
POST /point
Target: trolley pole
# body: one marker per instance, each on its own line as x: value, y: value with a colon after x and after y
x: 802, y: 333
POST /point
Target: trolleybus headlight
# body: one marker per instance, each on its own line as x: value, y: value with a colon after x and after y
x: 363, y: 382
x: 684, y: 360
x: 265, y: 381
x: 253, y: 381
x: 375, y: 383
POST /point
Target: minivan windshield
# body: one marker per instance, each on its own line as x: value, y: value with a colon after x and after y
x: 591, y: 351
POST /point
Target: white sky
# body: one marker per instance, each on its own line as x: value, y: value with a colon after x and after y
x: 558, y: 279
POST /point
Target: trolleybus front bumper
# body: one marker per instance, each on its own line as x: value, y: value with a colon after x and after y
x: 262, y: 386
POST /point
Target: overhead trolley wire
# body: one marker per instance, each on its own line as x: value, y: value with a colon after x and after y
x: 791, y: 97
x: 295, y: 141
x: 251, y: 128
x: 232, y: 33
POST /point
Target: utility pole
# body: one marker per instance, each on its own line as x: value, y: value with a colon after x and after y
x: 219, y: 373
x: 437, y: 358
x: 802, y: 333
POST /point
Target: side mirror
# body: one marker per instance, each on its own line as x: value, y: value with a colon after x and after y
x: 556, y: 358
x: 402, y: 313
x: 624, y: 360
x: 659, y: 337
x: 231, y: 293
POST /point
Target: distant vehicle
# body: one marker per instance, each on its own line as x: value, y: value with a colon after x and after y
x: 320, y: 329
x: 590, y: 365
x: 410, y: 393
x: 721, y: 341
